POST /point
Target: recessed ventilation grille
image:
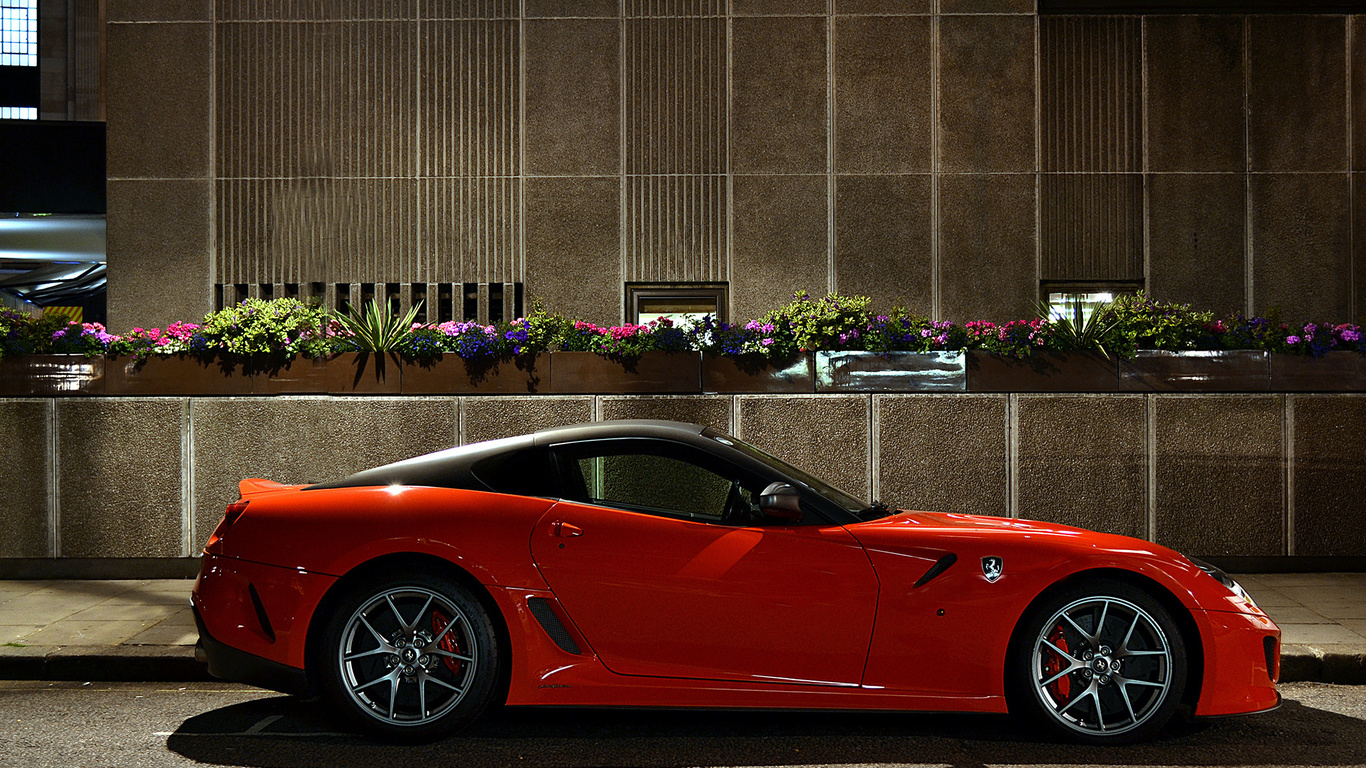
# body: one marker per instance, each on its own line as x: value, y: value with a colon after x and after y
x: 540, y: 608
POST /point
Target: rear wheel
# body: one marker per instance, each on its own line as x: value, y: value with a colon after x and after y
x: 409, y: 657
x: 1102, y: 663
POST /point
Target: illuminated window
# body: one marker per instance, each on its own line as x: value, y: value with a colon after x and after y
x: 19, y: 34
x: 1077, y: 302
x: 680, y: 302
x: 18, y: 113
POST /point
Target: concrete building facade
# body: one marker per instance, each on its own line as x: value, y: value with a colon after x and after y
x: 958, y: 157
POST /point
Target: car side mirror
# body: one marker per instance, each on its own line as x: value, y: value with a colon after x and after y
x: 781, y: 501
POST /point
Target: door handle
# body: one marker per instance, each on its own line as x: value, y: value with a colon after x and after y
x: 566, y: 530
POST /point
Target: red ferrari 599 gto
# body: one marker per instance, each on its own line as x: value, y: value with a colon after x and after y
x: 657, y: 564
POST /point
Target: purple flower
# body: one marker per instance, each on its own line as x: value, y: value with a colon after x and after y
x: 1292, y: 339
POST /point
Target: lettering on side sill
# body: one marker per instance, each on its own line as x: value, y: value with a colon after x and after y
x: 557, y: 685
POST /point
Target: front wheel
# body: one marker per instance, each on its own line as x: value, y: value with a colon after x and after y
x: 1101, y: 663
x: 409, y: 657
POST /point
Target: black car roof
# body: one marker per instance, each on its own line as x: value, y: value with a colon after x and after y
x: 451, y: 468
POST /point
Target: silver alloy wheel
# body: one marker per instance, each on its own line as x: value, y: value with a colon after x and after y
x: 1101, y: 666
x: 407, y: 656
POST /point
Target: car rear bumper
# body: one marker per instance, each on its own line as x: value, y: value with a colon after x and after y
x: 253, y: 620
x: 228, y: 663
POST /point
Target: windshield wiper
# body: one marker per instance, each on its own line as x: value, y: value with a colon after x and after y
x: 874, y: 511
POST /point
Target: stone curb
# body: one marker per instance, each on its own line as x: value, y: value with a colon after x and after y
x: 1338, y: 664
x: 115, y: 663
x: 1328, y: 663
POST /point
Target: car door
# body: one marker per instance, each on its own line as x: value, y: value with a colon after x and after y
x: 658, y: 584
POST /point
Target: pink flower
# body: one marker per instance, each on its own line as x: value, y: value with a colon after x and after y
x: 1292, y: 339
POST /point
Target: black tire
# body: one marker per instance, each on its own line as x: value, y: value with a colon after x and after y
x: 409, y: 657
x: 1054, y: 674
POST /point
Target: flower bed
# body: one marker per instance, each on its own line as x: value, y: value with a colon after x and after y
x: 833, y: 343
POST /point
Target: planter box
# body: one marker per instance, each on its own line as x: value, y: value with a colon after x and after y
x: 652, y: 372
x: 300, y: 376
x: 364, y: 373
x: 175, y: 375
x: 1216, y: 371
x: 754, y: 374
x: 1042, y: 372
x: 891, y: 372
x: 1334, y: 372
x: 522, y: 375
x: 51, y: 375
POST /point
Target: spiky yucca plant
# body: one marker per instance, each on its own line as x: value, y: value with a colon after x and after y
x: 1074, y: 331
x: 378, y: 328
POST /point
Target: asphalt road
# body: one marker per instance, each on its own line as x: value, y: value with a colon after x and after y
x: 136, y: 724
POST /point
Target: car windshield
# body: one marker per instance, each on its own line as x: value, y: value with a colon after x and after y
x: 821, y: 488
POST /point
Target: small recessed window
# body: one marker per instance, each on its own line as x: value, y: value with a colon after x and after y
x: 1080, y: 302
x: 681, y: 303
x: 18, y: 113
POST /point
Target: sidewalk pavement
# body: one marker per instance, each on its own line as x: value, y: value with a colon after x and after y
x: 144, y: 630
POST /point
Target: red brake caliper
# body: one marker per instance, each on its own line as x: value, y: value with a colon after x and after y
x: 448, y: 643
x: 1061, y: 687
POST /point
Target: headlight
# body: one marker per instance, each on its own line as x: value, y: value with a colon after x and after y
x: 1223, y: 578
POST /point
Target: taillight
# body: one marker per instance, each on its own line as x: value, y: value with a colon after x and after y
x: 234, y: 511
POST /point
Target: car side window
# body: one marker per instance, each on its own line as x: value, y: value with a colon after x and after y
x: 655, y: 480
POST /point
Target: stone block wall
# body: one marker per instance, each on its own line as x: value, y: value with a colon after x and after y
x: 1210, y: 475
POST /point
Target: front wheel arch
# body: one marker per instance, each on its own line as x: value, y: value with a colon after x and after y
x: 408, y: 561
x: 1190, y: 633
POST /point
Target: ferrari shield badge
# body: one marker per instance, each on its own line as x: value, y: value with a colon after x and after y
x: 992, y: 567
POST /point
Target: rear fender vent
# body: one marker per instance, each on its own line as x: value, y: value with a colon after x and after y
x: 261, y: 616
x: 1273, y: 670
x: 540, y: 608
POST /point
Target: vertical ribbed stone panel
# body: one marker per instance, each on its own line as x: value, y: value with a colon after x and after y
x: 1082, y: 460
x: 780, y: 242
x: 1196, y: 118
x: 1091, y: 93
x: 1092, y: 226
x: 490, y: 418
x: 882, y: 94
x: 26, y: 476
x: 882, y: 240
x: 262, y: 437
x: 323, y: 99
x: 986, y: 246
x: 1220, y: 479
x: 675, y: 141
x: 1199, y: 237
x: 708, y: 410
x: 825, y: 435
x: 1329, y: 443
x: 943, y: 453
x: 573, y: 250
x: 160, y: 264
x: 470, y: 148
x: 778, y: 95
x: 326, y: 10
x: 1297, y: 93
x: 328, y: 229
x: 1301, y: 245
x: 986, y: 93
x: 573, y: 96
x: 119, y: 481
x: 676, y: 228
x: 158, y: 91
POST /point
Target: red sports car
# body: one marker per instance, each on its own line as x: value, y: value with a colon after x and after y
x: 657, y: 564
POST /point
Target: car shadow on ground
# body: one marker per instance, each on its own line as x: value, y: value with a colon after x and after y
x: 283, y: 731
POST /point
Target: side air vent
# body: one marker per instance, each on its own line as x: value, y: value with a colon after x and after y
x: 540, y: 608
x: 940, y: 565
x: 261, y: 616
